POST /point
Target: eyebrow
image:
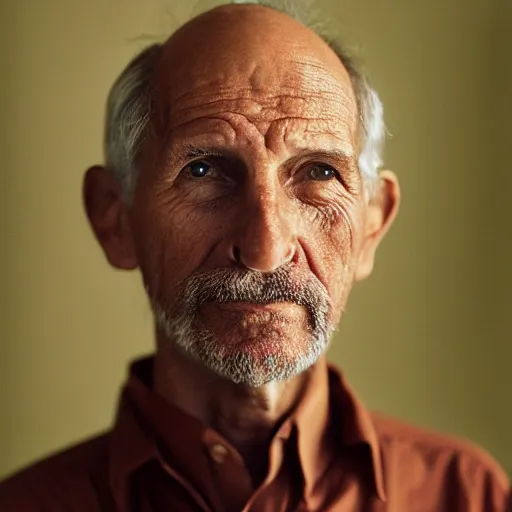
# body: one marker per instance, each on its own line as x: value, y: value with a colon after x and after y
x: 185, y: 151
x: 193, y: 151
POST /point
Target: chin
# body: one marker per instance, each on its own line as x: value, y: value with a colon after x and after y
x: 254, y: 360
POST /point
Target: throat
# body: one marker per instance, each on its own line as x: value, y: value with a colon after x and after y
x: 250, y: 425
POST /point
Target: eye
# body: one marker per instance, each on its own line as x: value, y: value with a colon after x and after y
x: 320, y: 172
x: 199, y: 169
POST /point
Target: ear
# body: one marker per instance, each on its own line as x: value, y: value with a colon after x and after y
x: 109, y: 217
x: 381, y: 210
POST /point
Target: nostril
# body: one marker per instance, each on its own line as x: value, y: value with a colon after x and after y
x: 237, y: 255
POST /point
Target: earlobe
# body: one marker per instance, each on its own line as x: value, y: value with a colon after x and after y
x: 109, y: 217
x: 381, y: 212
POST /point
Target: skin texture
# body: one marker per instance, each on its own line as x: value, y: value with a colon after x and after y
x: 275, y: 105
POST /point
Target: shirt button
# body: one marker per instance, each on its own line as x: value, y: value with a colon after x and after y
x: 218, y: 453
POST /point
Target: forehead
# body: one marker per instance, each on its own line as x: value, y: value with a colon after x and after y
x: 256, y: 63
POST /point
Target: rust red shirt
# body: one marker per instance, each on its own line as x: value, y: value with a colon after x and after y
x: 330, y: 454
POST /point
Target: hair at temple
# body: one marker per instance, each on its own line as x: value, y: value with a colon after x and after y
x: 128, y: 106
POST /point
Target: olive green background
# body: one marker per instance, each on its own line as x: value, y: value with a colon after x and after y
x: 427, y: 338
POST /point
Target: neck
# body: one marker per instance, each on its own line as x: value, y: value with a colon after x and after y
x: 247, y: 417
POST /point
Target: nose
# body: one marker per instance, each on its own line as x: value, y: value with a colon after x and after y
x: 264, y: 239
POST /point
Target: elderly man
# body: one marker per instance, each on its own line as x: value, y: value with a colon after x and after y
x: 242, y: 179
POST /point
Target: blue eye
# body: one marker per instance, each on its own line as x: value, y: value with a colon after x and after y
x: 322, y: 173
x: 199, y: 169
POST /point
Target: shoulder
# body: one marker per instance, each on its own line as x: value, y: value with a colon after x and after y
x: 399, y: 436
x: 58, y: 482
x: 440, y: 461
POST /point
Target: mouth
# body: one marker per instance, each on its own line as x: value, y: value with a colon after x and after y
x: 287, y: 312
x: 254, y: 306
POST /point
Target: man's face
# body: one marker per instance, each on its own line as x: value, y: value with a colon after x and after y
x: 248, y: 214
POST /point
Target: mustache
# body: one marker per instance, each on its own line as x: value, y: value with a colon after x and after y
x: 285, y: 284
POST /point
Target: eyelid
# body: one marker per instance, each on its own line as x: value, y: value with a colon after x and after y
x: 218, y: 169
x: 183, y: 156
x: 301, y: 178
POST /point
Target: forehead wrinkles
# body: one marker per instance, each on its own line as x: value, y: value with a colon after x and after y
x: 263, y: 109
x: 260, y: 91
x: 320, y: 112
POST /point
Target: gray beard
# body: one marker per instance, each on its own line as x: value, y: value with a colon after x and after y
x: 233, y: 285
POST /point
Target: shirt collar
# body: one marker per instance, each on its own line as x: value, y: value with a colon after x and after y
x: 130, y: 448
x: 328, y: 403
x: 356, y: 425
x: 329, y: 410
x: 312, y: 421
x: 145, y: 430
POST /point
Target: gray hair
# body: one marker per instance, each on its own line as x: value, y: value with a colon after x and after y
x: 128, y: 108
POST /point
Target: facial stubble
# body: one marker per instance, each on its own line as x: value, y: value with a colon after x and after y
x: 255, y: 361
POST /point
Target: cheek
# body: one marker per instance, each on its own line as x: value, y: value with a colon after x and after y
x: 339, y: 268
x: 171, y: 244
x: 333, y: 242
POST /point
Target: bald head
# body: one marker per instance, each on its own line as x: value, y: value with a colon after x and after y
x: 252, y: 40
x: 250, y: 46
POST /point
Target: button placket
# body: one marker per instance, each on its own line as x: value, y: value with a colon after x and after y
x: 232, y: 483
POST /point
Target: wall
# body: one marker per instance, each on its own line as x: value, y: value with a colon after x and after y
x: 427, y: 338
